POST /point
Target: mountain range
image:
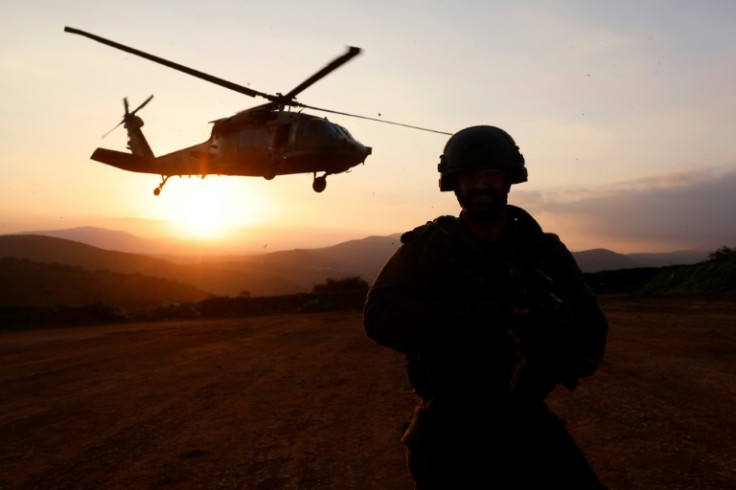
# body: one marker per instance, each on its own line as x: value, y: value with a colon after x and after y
x: 268, y: 274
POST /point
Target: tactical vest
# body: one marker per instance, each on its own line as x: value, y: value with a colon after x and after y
x: 468, y: 351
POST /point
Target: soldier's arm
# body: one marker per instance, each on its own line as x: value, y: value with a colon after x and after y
x: 589, y: 328
x: 401, y: 310
x: 395, y: 312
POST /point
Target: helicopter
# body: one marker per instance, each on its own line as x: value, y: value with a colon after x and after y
x: 262, y: 141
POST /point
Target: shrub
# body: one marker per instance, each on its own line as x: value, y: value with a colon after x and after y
x: 331, y: 285
x: 722, y: 254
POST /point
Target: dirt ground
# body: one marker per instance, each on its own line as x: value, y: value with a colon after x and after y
x: 307, y: 402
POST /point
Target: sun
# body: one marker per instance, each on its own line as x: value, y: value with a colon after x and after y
x: 211, y: 209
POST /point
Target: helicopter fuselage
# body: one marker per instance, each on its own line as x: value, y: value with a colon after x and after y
x: 280, y: 143
x: 254, y: 143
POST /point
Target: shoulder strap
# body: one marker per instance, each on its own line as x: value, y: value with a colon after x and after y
x: 527, y: 236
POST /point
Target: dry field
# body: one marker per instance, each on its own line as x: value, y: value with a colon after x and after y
x: 307, y: 402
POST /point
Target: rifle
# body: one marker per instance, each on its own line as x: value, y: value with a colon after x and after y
x: 509, y: 319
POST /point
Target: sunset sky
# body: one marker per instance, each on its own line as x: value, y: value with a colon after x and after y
x: 625, y: 112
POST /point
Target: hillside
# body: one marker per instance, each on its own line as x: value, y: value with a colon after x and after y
x: 600, y: 259
x: 283, y: 272
x: 272, y: 274
x: 119, y: 241
x: 370, y: 252
x: 363, y: 258
x: 27, y: 283
x: 221, y: 278
x: 61, y: 251
x: 713, y: 277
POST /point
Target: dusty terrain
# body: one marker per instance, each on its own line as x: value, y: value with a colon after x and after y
x: 307, y: 402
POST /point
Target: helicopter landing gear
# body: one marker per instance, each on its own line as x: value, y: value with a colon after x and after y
x: 319, y: 183
x: 160, y: 187
x: 269, y: 171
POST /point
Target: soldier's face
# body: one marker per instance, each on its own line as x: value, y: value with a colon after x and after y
x: 482, y: 193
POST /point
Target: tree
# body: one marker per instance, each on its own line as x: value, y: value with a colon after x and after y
x: 331, y: 285
x: 722, y: 254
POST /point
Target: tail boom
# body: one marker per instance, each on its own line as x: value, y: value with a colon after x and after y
x: 125, y: 161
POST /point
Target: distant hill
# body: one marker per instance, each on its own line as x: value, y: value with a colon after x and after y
x: 601, y: 259
x: 122, y: 241
x: 220, y: 278
x: 57, y: 250
x: 27, y: 283
x: 276, y: 273
x: 682, y: 257
x: 363, y: 257
x: 713, y: 277
x: 102, y: 238
x: 366, y: 252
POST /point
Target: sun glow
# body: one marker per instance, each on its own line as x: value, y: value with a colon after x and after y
x: 211, y: 209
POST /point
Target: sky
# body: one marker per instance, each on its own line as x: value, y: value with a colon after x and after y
x: 625, y: 112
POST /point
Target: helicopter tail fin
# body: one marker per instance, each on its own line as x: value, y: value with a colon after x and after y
x: 125, y: 161
x: 137, y: 143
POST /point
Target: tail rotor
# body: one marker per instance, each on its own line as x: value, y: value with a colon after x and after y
x: 129, y: 116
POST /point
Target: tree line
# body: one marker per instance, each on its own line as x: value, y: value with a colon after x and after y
x: 714, y: 276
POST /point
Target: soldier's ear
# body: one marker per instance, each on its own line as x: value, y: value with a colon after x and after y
x: 507, y: 182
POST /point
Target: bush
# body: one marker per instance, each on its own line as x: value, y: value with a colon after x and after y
x: 331, y: 285
x: 722, y: 254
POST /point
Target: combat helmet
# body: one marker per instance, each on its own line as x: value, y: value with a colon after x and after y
x: 480, y: 147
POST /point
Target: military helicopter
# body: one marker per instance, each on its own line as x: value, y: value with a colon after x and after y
x: 266, y: 140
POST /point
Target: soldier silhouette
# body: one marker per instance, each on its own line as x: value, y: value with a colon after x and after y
x: 491, y: 313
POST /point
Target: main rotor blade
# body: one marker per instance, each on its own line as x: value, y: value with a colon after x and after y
x: 332, y: 66
x: 372, y: 119
x: 176, y: 66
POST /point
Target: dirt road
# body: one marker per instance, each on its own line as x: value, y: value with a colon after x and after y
x: 307, y: 402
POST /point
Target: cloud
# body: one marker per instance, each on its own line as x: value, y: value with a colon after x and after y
x: 684, y: 210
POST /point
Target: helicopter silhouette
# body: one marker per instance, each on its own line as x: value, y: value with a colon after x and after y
x: 263, y: 141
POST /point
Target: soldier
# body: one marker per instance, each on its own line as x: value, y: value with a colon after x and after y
x: 491, y: 313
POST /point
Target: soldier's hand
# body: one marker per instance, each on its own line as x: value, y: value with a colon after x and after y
x: 520, y: 361
x: 498, y: 312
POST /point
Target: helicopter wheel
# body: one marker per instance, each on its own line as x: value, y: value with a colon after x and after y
x: 160, y: 187
x: 319, y: 184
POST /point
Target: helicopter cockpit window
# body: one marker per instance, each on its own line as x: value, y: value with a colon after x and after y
x: 312, y: 129
x: 330, y: 128
x: 316, y: 128
x: 344, y: 132
x: 253, y: 138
